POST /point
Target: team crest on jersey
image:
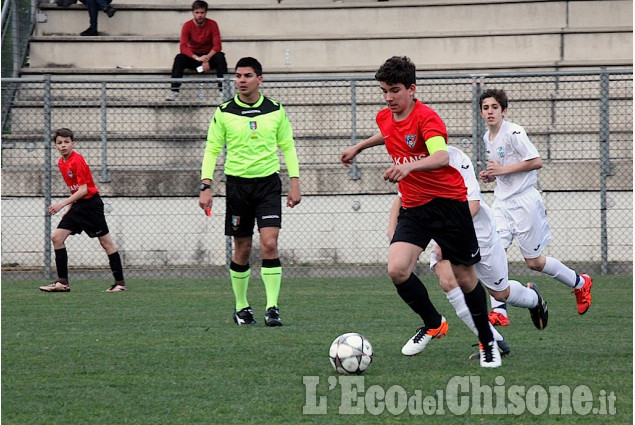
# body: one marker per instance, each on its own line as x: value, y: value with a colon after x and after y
x: 253, y: 125
x: 70, y: 174
x: 411, y: 139
x: 499, y: 151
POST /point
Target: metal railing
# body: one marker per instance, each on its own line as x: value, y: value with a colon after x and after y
x: 145, y: 153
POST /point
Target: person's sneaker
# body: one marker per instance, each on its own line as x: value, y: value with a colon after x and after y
x: 89, y: 32
x: 583, y: 295
x: 498, y: 319
x: 490, y: 356
x: 418, y: 342
x: 503, y: 347
x: 244, y: 317
x: 57, y: 286
x: 173, y: 96
x: 117, y: 288
x: 539, y: 314
x: 110, y: 11
x: 272, y: 317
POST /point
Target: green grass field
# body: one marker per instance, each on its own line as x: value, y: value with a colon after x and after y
x: 167, y: 352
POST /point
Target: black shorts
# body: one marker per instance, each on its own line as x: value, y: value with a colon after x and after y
x: 250, y: 201
x: 86, y: 215
x: 448, y: 222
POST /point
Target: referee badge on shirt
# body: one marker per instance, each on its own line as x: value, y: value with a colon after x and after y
x: 253, y: 125
x: 411, y: 139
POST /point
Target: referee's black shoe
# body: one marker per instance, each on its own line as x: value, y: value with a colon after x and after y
x: 272, y: 317
x: 244, y: 317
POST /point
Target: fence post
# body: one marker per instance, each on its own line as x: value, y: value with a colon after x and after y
x: 48, y: 175
x: 480, y: 159
x: 353, y: 172
x: 605, y: 166
x: 104, y: 177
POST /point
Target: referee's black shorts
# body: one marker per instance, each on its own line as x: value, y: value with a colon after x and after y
x: 448, y: 222
x: 250, y: 201
x: 86, y: 215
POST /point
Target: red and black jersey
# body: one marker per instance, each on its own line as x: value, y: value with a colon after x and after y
x: 76, y: 173
x: 405, y: 142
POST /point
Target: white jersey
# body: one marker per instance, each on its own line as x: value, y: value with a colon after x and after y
x: 484, y: 221
x: 511, y: 146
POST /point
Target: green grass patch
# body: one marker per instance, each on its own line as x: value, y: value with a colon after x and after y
x: 168, y: 352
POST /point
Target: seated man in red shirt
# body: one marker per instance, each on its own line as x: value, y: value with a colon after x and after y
x: 200, y: 47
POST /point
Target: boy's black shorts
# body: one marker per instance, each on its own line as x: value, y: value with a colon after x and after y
x: 250, y: 201
x: 448, y: 222
x: 86, y: 215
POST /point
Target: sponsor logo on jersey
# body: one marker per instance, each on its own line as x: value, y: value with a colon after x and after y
x: 405, y: 159
x: 411, y: 140
x: 250, y: 111
x: 253, y: 125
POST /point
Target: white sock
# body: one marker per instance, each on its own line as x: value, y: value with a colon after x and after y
x: 498, y: 306
x: 579, y: 282
x: 560, y: 272
x: 521, y: 296
x: 457, y: 299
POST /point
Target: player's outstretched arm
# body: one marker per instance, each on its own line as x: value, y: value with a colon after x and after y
x: 351, y: 152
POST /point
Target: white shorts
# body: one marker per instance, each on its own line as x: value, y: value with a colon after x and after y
x: 491, y: 270
x: 523, y: 217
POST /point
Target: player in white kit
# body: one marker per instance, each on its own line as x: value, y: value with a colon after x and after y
x: 492, y: 270
x: 518, y: 206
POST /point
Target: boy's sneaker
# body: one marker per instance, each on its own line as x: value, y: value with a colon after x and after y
x: 539, y: 314
x: 272, y: 317
x: 244, y: 317
x: 583, y: 295
x: 503, y: 347
x: 173, y: 96
x: 60, y: 285
x: 490, y: 355
x: 498, y: 319
x: 117, y: 288
x: 418, y: 342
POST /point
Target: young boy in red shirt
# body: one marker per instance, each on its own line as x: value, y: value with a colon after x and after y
x: 85, y: 213
x: 434, y: 206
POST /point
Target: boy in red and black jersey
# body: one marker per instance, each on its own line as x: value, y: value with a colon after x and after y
x: 434, y: 206
x: 85, y: 213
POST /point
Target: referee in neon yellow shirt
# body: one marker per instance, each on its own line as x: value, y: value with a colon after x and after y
x: 252, y: 127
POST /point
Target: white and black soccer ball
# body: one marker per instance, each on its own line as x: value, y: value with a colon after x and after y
x: 351, y: 353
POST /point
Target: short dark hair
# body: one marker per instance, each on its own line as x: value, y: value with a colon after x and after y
x: 63, y: 132
x: 250, y: 62
x: 397, y: 69
x: 498, y: 94
x: 199, y: 4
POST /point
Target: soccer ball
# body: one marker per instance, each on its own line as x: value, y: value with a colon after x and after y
x: 351, y: 353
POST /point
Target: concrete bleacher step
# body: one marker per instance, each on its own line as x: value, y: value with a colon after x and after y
x: 541, y: 49
x: 327, y: 37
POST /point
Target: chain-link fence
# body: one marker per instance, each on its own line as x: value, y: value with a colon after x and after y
x: 145, y: 154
